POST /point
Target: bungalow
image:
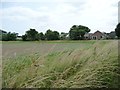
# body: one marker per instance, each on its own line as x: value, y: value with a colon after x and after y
x: 64, y: 35
x: 88, y: 36
x: 19, y: 37
x: 95, y: 36
x: 2, y: 32
x: 98, y: 35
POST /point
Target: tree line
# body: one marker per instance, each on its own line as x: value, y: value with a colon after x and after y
x: 33, y: 35
x: 8, y: 36
x: 76, y: 32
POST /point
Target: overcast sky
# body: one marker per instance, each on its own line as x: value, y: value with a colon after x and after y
x: 21, y: 15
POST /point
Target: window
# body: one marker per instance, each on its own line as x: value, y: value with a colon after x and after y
x: 94, y: 37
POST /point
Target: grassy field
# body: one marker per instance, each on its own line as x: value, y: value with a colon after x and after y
x: 60, y: 64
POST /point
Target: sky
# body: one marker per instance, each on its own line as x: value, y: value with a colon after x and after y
x: 119, y: 12
x: 58, y: 15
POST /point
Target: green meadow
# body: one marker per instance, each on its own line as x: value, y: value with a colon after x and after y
x: 60, y: 64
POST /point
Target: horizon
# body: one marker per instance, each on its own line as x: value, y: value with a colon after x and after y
x: 19, y: 16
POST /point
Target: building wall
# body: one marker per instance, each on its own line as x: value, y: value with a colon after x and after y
x: 97, y: 35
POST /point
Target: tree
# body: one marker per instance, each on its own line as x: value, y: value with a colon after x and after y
x: 48, y: 34
x: 12, y: 36
x: 56, y: 35
x: 9, y: 36
x: 41, y: 36
x: 32, y: 35
x: 4, y: 37
x: 24, y: 37
x: 52, y: 35
x: 77, y: 32
x: 117, y: 30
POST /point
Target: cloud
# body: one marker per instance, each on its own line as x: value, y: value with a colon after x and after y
x: 22, y: 13
x: 60, y: 15
x: 99, y: 14
x: 43, y: 1
x: 45, y: 13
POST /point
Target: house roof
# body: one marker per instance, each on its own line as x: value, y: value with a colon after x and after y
x: 1, y: 31
x: 97, y: 32
x: 88, y: 34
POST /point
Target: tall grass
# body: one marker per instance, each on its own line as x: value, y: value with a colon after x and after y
x: 93, y: 66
